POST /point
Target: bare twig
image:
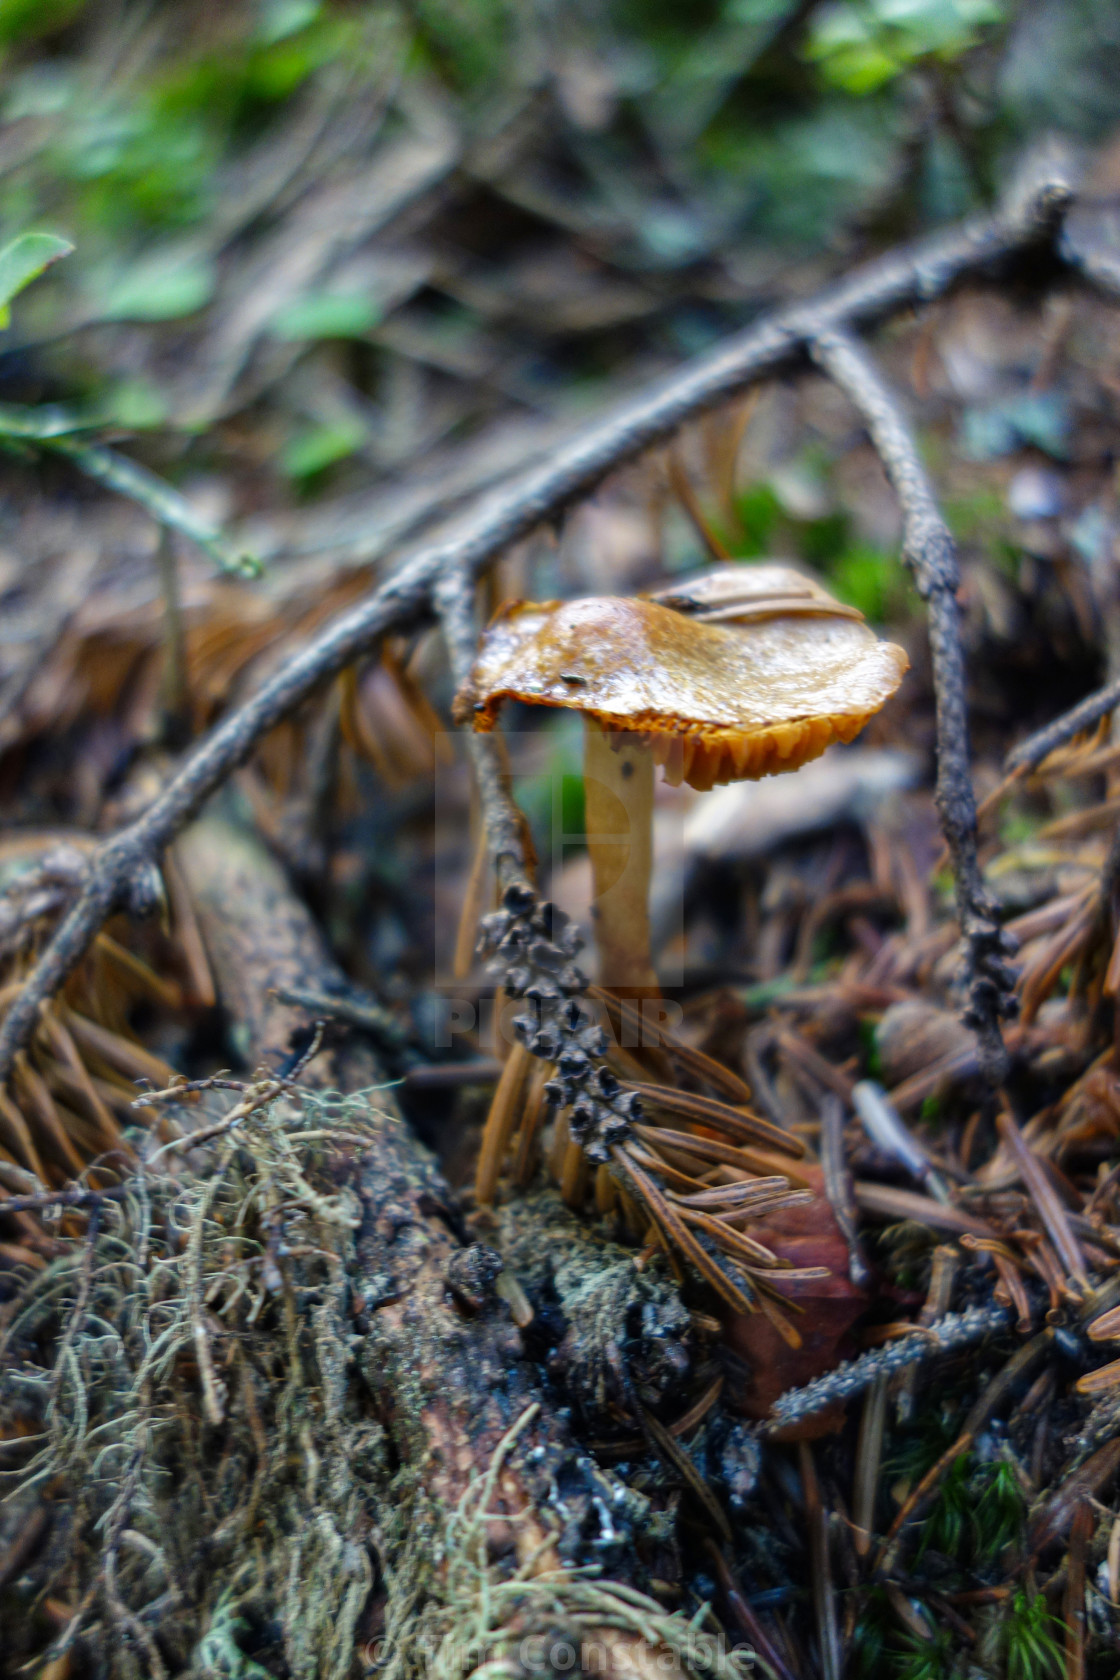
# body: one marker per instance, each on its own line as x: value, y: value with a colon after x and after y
x: 1029, y: 754
x: 820, y: 1565
x: 838, y: 1187
x: 502, y: 821
x: 918, y: 273
x: 73, y: 1196
x: 356, y: 1010
x: 931, y: 553
x: 852, y: 1377
x: 54, y: 430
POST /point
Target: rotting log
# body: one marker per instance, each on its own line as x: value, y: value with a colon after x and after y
x: 434, y: 1346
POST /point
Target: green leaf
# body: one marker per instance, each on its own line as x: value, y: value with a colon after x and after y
x: 282, y: 18
x: 165, y: 288
x: 326, y: 315
x: 23, y: 261
x: 321, y: 446
x: 135, y: 404
x: 861, y: 46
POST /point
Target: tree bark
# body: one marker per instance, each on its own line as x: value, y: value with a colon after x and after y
x: 442, y: 1364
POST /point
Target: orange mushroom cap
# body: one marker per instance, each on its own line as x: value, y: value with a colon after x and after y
x: 749, y: 671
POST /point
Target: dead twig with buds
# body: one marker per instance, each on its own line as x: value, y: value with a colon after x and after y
x: 123, y: 871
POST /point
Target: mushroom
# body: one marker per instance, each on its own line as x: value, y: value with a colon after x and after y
x: 745, y: 671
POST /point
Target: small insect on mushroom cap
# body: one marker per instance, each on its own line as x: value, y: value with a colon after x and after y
x: 746, y: 671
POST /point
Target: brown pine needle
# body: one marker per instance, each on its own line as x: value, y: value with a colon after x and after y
x: 501, y: 1123
x: 690, y: 502
x: 1100, y: 1381
x: 532, y: 1118
x: 32, y: 1091
x: 188, y: 934
x: 466, y: 937
x: 675, y: 1229
x: 894, y: 1204
x: 690, y: 1476
x: 1074, y: 1617
x: 119, y: 1054
x: 417, y: 703
x: 574, y: 1174
x: 358, y: 734
x: 1045, y: 1198
x: 68, y: 1054
x: 1106, y: 1328
x: 19, y: 1134
x: 713, y: 1149
x: 605, y: 1191
x: 721, y: 1116
x: 723, y: 1197
x: 680, y: 1181
x: 127, y: 962
x: 632, y: 1028
x: 1053, y: 1520
x: 733, y: 1242
x: 869, y: 1458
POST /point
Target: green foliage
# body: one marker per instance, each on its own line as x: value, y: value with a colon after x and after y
x: 326, y: 315
x: 165, y: 287
x: 860, y: 45
x: 23, y: 261
x: 310, y: 452
x: 468, y: 41
x: 760, y: 513
x: 871, y: 1060
x: 1031, y: 1650
x: 1017, y: 826
x: 23, y: 21
x: 558, y: 825
x: 141, y: 156
x: 946, y: 1528
x: 882, y: 1648
x: 871, y: 1644
x: 136, y: 405
x: 807, y: 172
x: 980, y: 1509
x: 873, y: 580
x: 999, y: 1511
x: 934, y: 1658
x: 572, y: 805
x: 239, y: 89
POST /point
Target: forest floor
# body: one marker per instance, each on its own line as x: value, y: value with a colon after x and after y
x: 334, y: 1338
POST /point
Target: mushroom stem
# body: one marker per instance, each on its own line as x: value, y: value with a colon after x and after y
x: 618, y: 794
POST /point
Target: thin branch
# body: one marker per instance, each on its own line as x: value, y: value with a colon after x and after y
x: 1029, y: 754
x: 73, y: 1196
x: 52, y: 429
x: 1029, y: 217
x: 930, y: 551
x: 357, y: 1010
x: 502, y: 822
x: 854, y: 1375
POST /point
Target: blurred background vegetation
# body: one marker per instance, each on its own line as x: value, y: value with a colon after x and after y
x: 318, y: 239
